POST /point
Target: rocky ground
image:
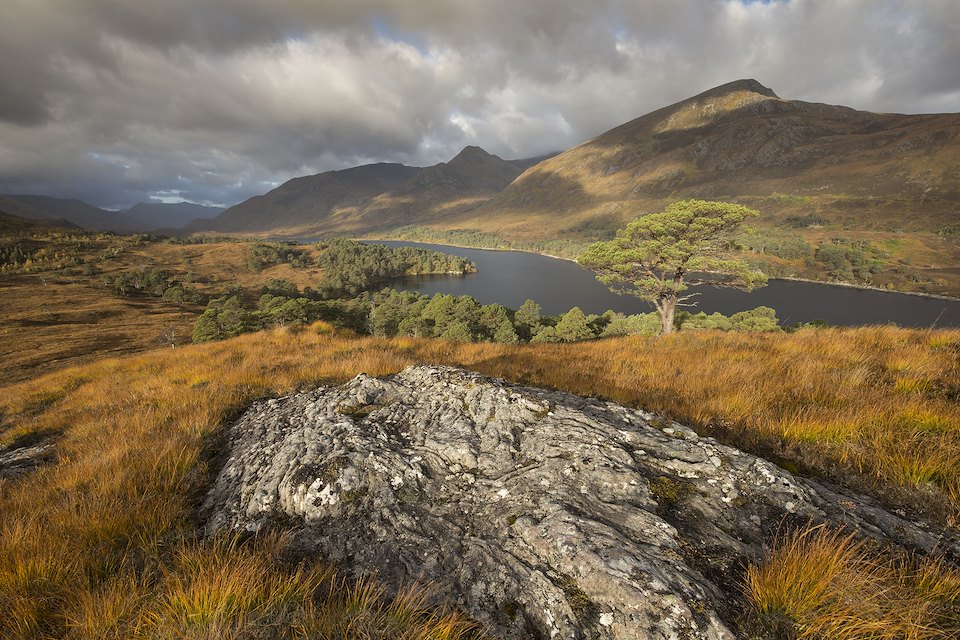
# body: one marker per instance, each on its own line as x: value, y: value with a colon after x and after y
x: 542, y: 514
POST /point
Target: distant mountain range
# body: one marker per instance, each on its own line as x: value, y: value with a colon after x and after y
x: 70, y: 212
x: 738, y: 141
x: 158, y: 215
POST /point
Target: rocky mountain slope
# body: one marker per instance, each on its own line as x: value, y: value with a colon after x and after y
x: 22, y: 214
x: 15, y: 223
x: 434, y: 194
x: 540, y: 513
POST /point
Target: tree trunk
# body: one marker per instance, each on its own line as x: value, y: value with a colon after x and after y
x: 667, y: 309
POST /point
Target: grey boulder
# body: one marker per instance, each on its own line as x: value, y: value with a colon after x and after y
x: 539, y: 513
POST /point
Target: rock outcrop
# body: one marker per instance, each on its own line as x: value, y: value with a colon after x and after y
x: 26, y: 454
x: 541, y: 514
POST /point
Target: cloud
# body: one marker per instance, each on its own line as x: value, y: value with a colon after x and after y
x: 218, y: 100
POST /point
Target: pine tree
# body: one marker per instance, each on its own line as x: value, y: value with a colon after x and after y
x: 573, y: 326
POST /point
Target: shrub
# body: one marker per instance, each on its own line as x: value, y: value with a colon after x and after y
x: 224, y: 317
x: 351, y: 267
x: 640, y: 324
x: 573, y: 327
x: 714, y: 321
x: 506, y: 334
x: 546, y: 334
x: 776, y: 243
x: 457, y: 331
x: 756, y: 320
x: 280, y: 287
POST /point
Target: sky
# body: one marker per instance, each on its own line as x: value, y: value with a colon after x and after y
x: 214, y: 101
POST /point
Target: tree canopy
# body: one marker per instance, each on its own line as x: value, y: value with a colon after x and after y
x: 657, y: 257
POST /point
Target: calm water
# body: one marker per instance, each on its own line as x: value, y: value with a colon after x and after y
x: 510, y: 277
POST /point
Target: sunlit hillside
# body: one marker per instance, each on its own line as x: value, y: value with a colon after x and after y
x: 59, y: 310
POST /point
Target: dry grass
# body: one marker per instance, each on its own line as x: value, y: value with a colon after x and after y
x: 98, y: 545
x: 55, y: 315
x: 826, y: 584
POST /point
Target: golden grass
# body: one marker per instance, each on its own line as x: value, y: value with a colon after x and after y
x: 98, y: 545
x: 53, y: 317
x: 826, y: 584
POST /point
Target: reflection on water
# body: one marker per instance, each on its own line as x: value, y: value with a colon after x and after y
x: 510, y: 277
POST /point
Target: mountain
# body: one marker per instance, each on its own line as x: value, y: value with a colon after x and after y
x: 741, y: 141
x: 299, y: 203
x: 158, y: 215
x: 434, y: 193
x: 789, y: 159
x: 525, y: 163
x: 371, y: 197
x: 75, y: 211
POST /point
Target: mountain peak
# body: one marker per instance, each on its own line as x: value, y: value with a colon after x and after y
x: 471, y: 152
x: 747, y: 84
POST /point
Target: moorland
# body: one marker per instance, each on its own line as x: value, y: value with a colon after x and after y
x: 101, y: 376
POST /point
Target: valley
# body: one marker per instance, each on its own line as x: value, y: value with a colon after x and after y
x: 845, y: 196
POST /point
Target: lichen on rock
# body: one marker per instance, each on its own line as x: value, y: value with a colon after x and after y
x: 540, y: 513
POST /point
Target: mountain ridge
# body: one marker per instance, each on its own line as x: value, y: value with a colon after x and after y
x: 737, y: 141
x: 172, y: 215
x: 371, y: 196
x: 304, y: 198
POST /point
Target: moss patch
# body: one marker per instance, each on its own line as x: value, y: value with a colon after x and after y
x: 668, y: 492
x: 358, y: 412
x: 585, y: 609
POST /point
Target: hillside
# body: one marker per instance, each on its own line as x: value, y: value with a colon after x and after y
x: 371, y: 197
x: 740, y: 141
x: 115, y: 551
x: 159, y: 215
x: 434, y: 194
x: 21, y: 210
x: 882, y: 189
x: 74, y: 211
x: 146, y: 435
x: 14, y: 223
x: 302, y: 202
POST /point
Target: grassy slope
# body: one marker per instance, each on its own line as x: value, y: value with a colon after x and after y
x: 57, y: 313
x: 110, y: 552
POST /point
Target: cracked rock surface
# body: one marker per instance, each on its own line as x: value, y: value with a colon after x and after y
x: 539, y: 513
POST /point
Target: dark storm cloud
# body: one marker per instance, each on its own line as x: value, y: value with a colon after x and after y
x: 217, y: 100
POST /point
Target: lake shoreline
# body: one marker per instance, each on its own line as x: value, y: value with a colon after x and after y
x: 866, y: 287
x: 850, y: 285
x: 463, y: 246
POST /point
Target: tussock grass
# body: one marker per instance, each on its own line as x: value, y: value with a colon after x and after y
x: 824, y: 583
x: 101, y: 544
